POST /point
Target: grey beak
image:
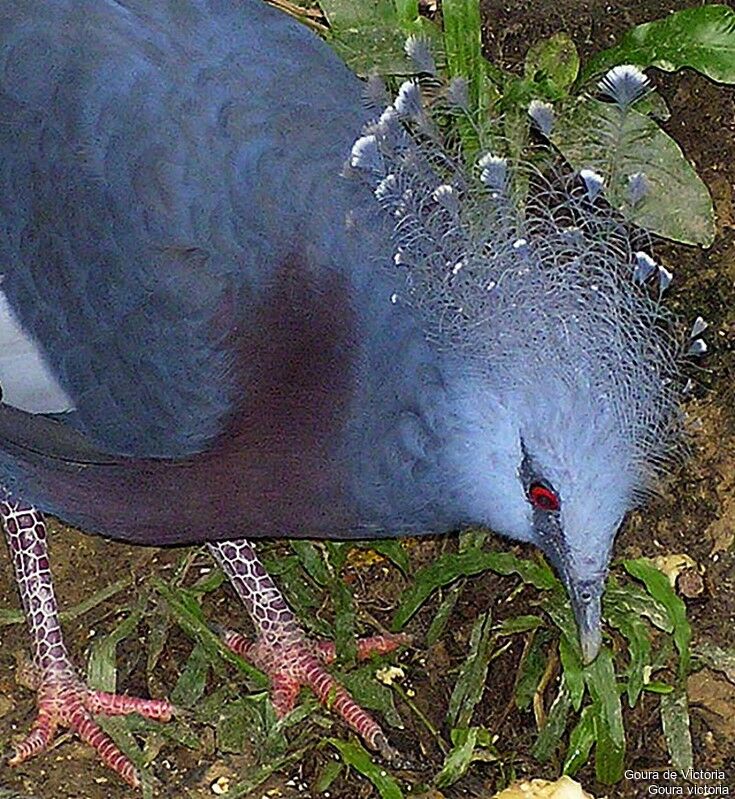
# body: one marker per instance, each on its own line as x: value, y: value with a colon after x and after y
x: 585, y: 597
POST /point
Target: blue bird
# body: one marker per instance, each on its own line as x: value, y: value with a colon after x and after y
x: 236, y: 303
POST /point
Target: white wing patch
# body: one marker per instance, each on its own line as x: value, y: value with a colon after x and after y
x: 26, y: 381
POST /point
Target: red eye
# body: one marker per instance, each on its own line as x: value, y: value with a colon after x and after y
x: 542, y: 497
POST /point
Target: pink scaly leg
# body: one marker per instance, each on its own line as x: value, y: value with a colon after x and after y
x: 63, y: 699
x: 282, y: 650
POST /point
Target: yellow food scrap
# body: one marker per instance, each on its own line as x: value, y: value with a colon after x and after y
x: 564, y: 788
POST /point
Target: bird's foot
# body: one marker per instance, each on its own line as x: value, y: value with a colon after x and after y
x: 64, y: 700
x: 301, y: 662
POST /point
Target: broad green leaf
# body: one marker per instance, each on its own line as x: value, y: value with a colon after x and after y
x: 609, y: 731
x: 701, y: 38
x: 617, y: 144
x: 472, y: 675
x: 675, y: 723
x: 554, y: 59
x: 657, y: 584
x: 631, y: 599
x: 354, y: 755
x: 581, y: 740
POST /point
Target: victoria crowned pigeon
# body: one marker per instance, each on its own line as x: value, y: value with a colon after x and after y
x: 237, y: 301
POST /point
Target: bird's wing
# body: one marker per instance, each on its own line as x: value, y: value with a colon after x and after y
x: 154, y: 162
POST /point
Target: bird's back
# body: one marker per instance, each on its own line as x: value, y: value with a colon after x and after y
x: 158, y: 163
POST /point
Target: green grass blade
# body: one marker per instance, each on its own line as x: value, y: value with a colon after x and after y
x: 189, y: 616
x: 356, y: 756
x: 609, y: 731
x: 573, y: 672
x: 473, y: 674
x: 675, y: 723
x: 581, y: 741
x: 449, y: 567
x: 192, y: 681
x: 458, y: 760
x: 553, y: 730
x: 102, y: 661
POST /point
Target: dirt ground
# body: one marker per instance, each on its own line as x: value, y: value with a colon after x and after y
x: 695, y: 514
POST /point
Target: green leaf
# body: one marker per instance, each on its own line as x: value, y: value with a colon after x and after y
x: 554, y: 59
x: 657, y: 687
x: 556, y: 722
x: 520, y: 624
x: 449, y: 567
x: 608, y: 715
x: 443, y: 612
x: 354, y: 755
x: 235, y: 720
x: 312, y: 561
x: 11, y: 616
x: 657, y: 584
x: 675, y: 723
x: 468, y: 745
x: 573, y: 672
x: 701, y: 38
x: 102, y: 661
x: 188, y: 614
x: 192, y: 681
x: 618, y: 143
x: 581, y: 740
x: 639, y: 648
x: 370, y: 34
x: 530, y: 670
x: 327, y: 775
x: 633, y: 600
x: 344, y: 622
x: 371, y: 694
x: 257, y: 776
x: 559, y: 610
x: 473, y: 674
x: 389, y: 548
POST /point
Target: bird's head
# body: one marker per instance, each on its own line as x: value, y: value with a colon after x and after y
x: 565, y: 364
x: 550, y: 468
